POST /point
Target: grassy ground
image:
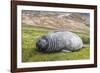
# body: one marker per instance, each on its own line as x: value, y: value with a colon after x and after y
x: 30, y: 53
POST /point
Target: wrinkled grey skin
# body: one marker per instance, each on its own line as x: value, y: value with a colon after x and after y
x: 59, y: 41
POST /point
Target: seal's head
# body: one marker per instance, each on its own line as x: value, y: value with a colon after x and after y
x: 42, y: 43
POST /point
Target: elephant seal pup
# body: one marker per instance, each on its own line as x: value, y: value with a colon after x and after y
x: 59, y: 41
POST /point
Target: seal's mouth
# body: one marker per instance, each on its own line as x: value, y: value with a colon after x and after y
x: 42, y: 44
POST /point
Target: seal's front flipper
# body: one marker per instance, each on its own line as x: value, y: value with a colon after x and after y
x: 66, y: 51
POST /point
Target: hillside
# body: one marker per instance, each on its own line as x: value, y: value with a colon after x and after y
x: 58, y: 21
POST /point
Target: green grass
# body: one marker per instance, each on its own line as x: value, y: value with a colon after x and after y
x: 30, y: 53
x: 85, y: 38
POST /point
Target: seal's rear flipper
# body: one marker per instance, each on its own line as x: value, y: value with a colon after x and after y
x: 66, y: 51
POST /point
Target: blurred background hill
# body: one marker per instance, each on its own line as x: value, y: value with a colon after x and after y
x: 58, y: 21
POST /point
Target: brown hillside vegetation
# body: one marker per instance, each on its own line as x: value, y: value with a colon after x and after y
x: 60, y: 21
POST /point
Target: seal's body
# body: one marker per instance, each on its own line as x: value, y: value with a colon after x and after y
x: 59, y: 41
